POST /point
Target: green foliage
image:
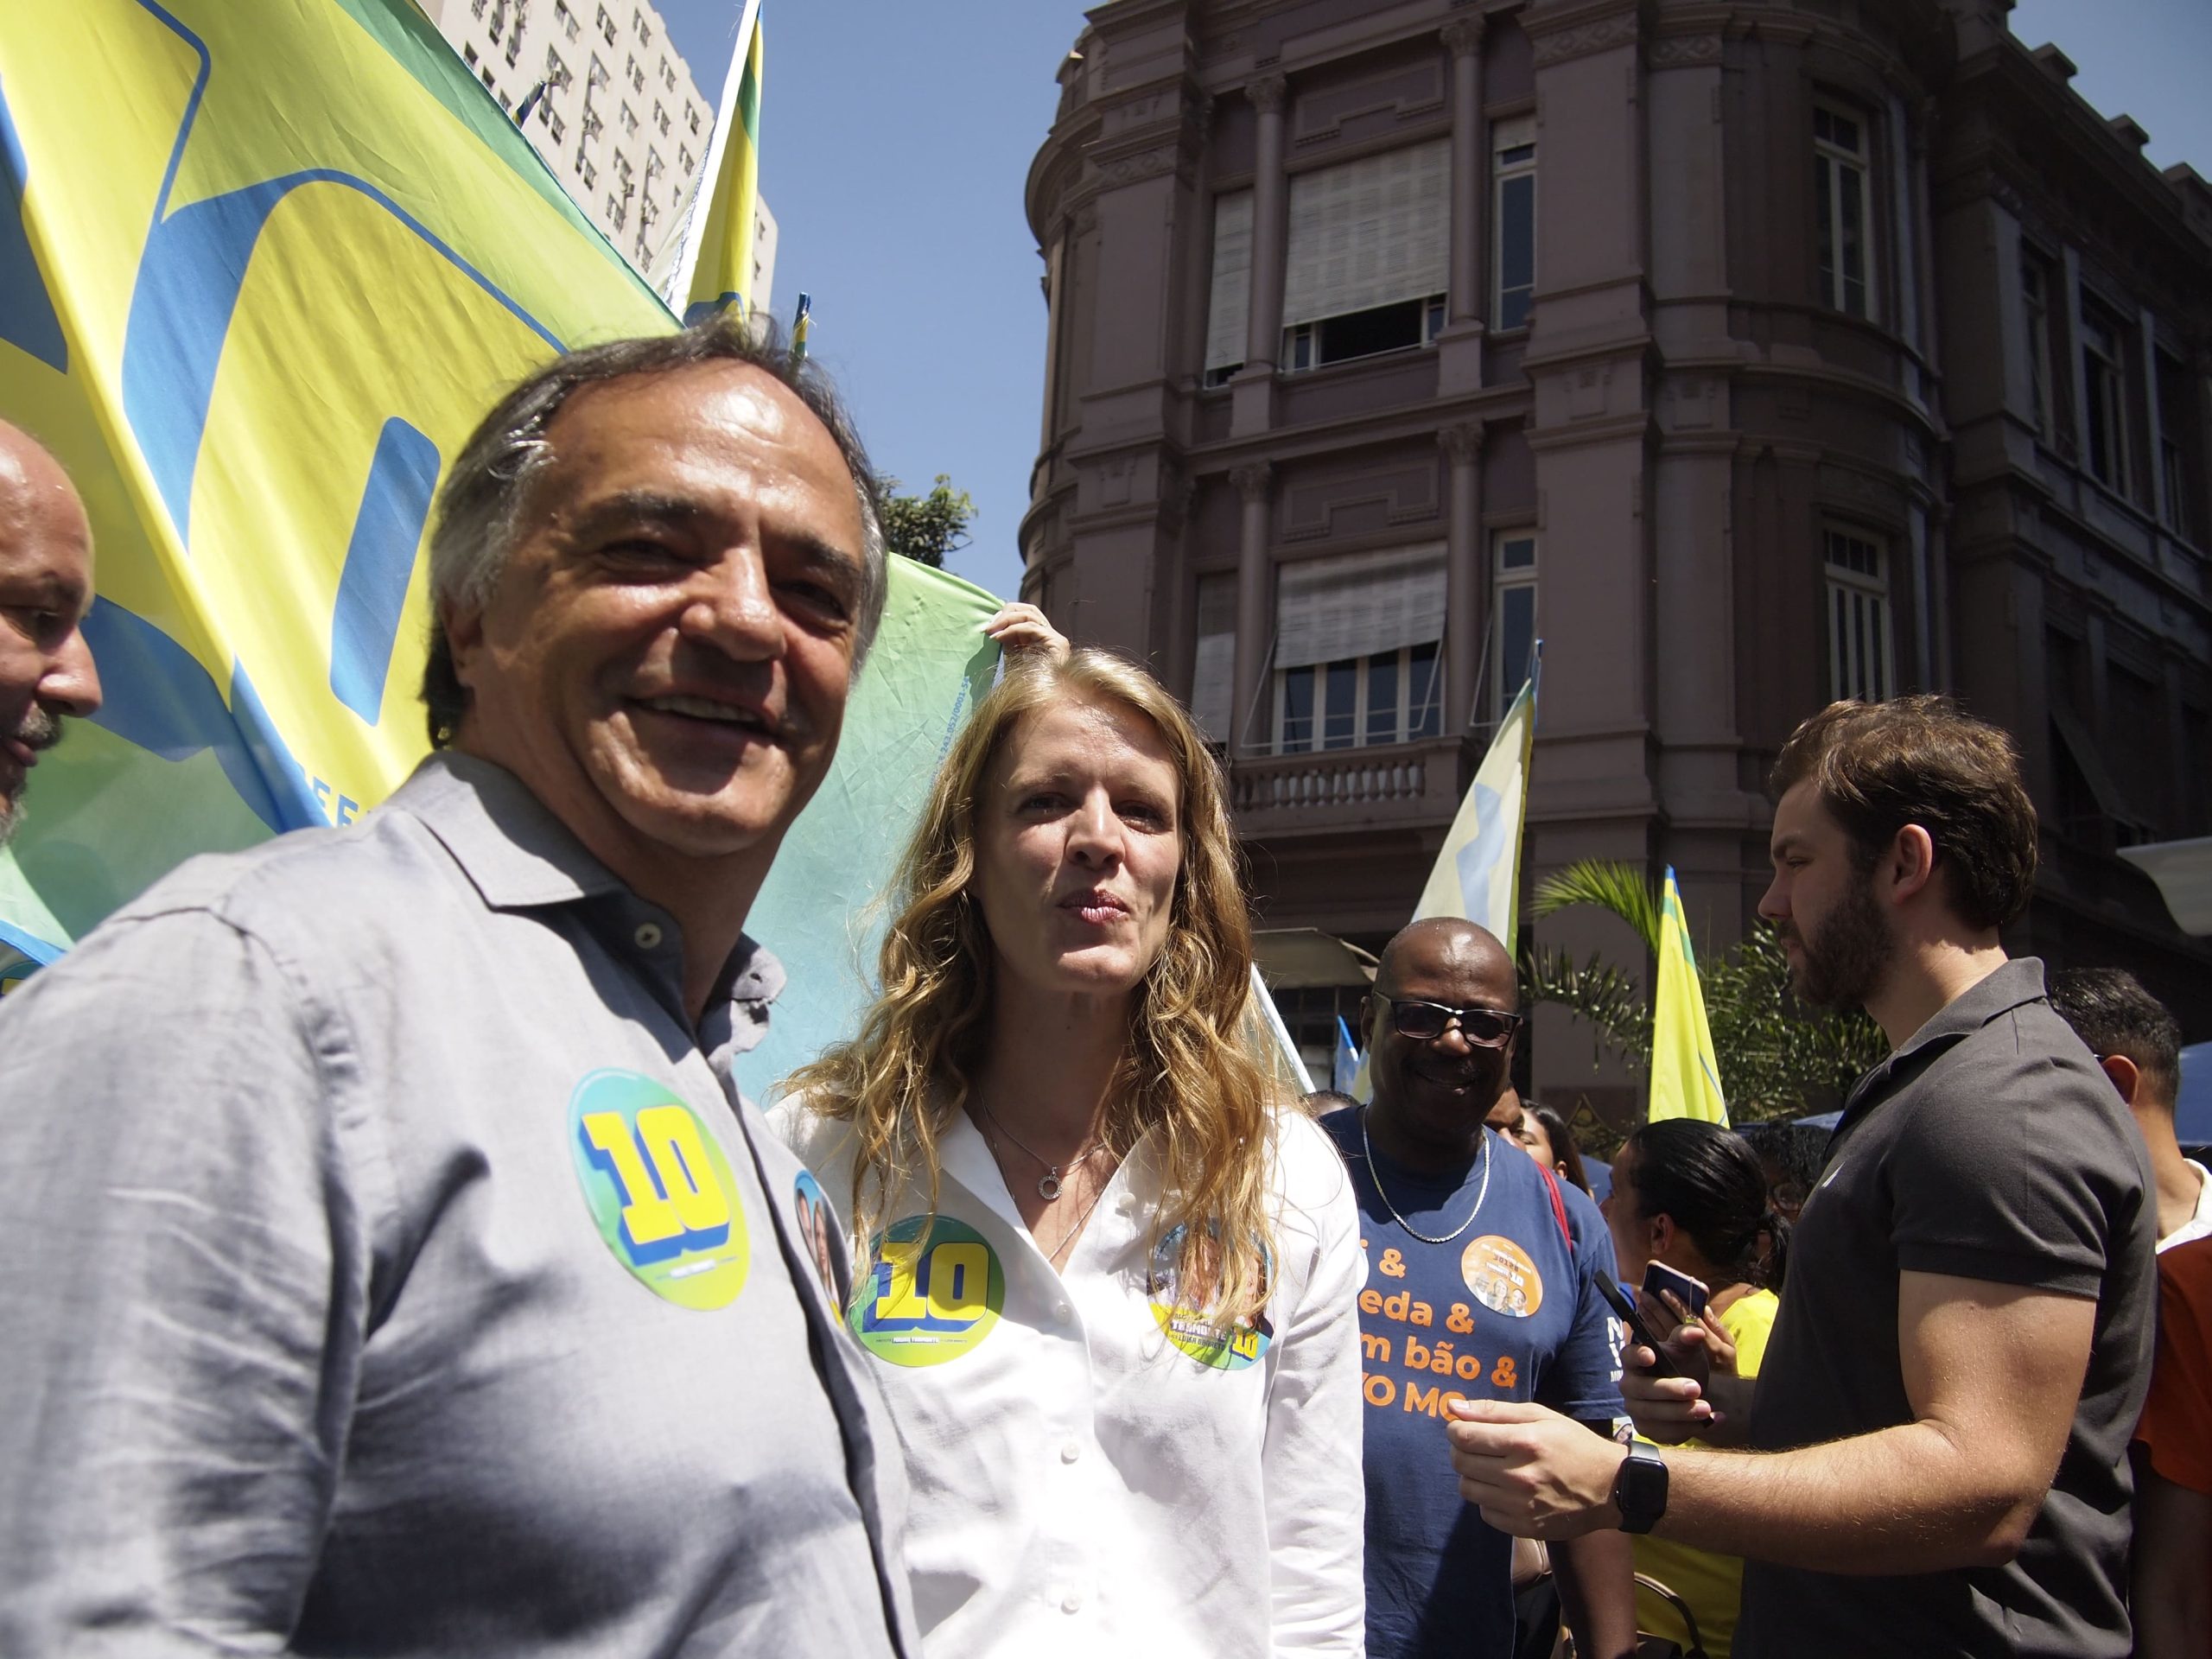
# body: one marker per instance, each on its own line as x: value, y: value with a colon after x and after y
x: 1778, y: 1058
x: 926, y: 529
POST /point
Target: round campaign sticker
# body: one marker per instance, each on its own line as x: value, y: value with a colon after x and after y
x: 1501, y: 1276
x: 817, y: 1233
x: 659, y: 1189
x: 1200, y: 1334
x: 934, y: 1292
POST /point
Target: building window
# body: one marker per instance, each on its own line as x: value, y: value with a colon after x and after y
x: 1859, y: 663
x: 556, y: 72
x: 667, y: 75
x: 1229, y: 301
x: 644, y: 29
x: 565, y: 17
x: 660, y: 119
x: 1393, y: 697
x: 617, y: 210
x: 499, y: 24
x: 514, y: 40
x: 554, y: 122
x: 1839, y: 207
x: 597, y: 75
x: 606, y: 26
x: 506, y: 104
x: 1357, y: 661
x: 1366, y: 255
x: 589, y: 173
x: 683, y: 158
x: 691, y: 118
x: 629, y: 122
x: 1213, y: 665
x: 1513, y: 608
x: 1513, y: 236
x: 2180, y: 443
x: 2104, y: 393
x: 637, y: 76
x: 592, y: 122
x: 2035, y: 288
x: 485, y: 77
x: 468, y: 55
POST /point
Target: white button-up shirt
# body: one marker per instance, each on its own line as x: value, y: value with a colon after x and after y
x: 1095, y: 1469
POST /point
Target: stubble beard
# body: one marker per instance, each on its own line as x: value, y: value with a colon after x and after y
x: 1844, y: 960
x: 41, y: 731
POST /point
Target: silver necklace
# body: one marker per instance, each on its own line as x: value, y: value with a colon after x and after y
x: 1481, y: 1192
x: 1048, y: 1186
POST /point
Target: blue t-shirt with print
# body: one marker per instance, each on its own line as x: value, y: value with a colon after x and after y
x: 1509, y: 1309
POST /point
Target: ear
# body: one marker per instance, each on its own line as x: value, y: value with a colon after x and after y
x: 1911, y: 861
x: 2126, y: 1075
x: 1660, y: 1228
x: 1367, y: 1024
x: 463, y: 622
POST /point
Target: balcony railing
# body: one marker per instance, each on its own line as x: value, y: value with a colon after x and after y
x: 1399, y: 783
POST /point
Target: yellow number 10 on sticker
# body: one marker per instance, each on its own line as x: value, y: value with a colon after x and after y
x: 686, y: 1202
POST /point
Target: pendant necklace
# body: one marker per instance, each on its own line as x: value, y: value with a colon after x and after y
x: 1481, y: 1192
x: 1048, y: 1185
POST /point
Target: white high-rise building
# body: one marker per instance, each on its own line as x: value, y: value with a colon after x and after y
x: 622, y: 123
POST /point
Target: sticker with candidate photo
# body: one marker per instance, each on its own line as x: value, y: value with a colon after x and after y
x: 1201, y: 1334
x: 817, y: 1235
x: 1500, y: 1276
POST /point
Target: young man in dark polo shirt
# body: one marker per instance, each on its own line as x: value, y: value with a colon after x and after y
x: 1941, y: 1420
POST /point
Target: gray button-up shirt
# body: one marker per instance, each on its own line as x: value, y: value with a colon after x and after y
x: 391, y: 1267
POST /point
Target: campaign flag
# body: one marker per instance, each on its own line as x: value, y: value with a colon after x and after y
x: 713, y: 268
x: 1344, y: 1071
x: 1685, y: 1072
x: 262, y: 267
x: 1477, y: 873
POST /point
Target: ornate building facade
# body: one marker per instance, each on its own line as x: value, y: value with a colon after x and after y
x: 1748, y: 354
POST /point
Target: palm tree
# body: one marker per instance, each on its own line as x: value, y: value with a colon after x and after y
x: 1778, y: 1058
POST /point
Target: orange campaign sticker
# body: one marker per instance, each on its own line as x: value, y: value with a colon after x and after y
x: 1500, y: 1276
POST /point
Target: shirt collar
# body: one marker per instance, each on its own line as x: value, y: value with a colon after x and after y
x: 519, y: 856
x: 2012, y: 985
x: 515, y: 852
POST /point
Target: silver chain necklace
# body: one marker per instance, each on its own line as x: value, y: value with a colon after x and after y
x: 1481, y: 1192
x: 1048, y: 1185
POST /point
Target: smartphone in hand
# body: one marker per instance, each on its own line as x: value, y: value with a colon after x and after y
x: 1691, y: 1292
x: 1638, y: 1330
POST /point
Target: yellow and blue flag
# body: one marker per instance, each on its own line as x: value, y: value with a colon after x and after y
x: 1477, y: 873
x: 1685, y: 1072
x: 262, y: 267
x: 715, y: 269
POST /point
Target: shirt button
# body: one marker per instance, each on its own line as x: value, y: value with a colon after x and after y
x: 1070, y: 1452
x: 1061, y: 1311
x: 1071, y: 1602
x: 647, y: 935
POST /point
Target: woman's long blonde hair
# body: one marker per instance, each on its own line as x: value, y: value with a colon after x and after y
x: 1184, y: 1078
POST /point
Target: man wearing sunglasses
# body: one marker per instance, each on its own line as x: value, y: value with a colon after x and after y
x: 1480, y: 1269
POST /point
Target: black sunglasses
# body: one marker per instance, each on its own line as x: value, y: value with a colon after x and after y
x: 1424, y: 1022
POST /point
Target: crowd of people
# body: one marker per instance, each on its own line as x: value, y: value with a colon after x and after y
x: 400, y: 1270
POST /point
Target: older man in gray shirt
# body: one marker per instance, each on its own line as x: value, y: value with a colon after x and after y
x: 392, y: 1266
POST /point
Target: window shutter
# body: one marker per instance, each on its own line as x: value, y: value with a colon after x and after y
x: 1231, y: 299
x: 1213, y: 671
x: 1373, y: 231
x: 1358, y: 605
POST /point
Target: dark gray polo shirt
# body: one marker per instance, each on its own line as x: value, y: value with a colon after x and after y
x: 1989, y: 1147
x: 390, y: 1268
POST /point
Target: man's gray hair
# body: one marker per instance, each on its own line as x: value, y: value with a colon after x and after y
x: 479, y: 506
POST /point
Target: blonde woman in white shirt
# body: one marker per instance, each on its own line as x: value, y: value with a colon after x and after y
x: 1109, y: 1280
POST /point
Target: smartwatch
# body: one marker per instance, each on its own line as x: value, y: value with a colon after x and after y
x: 1640, y: 1490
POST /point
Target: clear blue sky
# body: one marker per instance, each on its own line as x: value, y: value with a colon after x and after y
x: 895, y: 137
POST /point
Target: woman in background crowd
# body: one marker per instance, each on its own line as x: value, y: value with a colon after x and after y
x: 1692, y: 1195
x: 1109, y: 1279
x: 1543, y: 1135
